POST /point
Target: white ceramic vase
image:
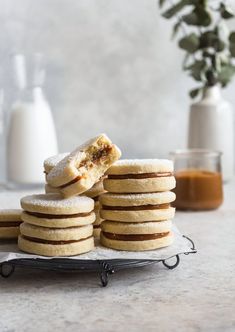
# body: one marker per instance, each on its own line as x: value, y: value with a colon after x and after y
x: 211, y: 127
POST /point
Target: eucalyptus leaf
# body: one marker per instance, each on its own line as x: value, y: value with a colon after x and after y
x: 176, y: 29
x: 225, y: 11
x: 194, y: 93
x: 190, y: 43
x: 226, y: 74
x: 232, y: 50
x: 197, y: 69
x: 211, y: 39
x: 198, y: 17
x: 169, y: 13
x: 161, y: 3
x: 232, y: 37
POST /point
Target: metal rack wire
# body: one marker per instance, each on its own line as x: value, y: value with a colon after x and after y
x: 104, y: 268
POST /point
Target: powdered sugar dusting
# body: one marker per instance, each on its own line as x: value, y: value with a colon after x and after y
x: 125, y: 166
x: 56, y: 201
x: 51, y: 162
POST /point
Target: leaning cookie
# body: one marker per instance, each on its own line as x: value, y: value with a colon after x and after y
x: 10, y: 220
x: 81, y: 169
x: 137, y: 207
x: 140, y: 176
x: 133, y: 237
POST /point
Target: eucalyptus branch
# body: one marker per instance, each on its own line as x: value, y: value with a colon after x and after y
x: 212, y: 53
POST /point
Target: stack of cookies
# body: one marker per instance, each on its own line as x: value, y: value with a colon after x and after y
x: 61, y: 223
x: 53, y: 226
x: 137, y: 209
x: 94, y: 192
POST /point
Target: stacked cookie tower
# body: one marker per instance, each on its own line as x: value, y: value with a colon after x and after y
x: 53, y: 226
x: 137, y: 209
x: 94, y: 192
x: 61, y: 223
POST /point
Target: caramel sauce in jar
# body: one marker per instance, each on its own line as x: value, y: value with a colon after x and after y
x: 198, y: 190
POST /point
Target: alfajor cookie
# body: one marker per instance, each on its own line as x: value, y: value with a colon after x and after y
x: 137, y: 207
x: 140, y: 176
x: 136, y: 237
x: 10, y: 220
x: 54, y: 226
x: 81, y: 169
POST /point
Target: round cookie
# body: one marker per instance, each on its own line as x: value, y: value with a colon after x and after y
x: 52, y: 234
x: 137, y: 207
x: 110, y: 199
x: 151, y: 227
x: 55, y: 204
x: 62, y: 249
x: 136, y: 245
x: 136, y: 166
x: 138, y: 216
x: 140, y: 176
x: 61, y: 222
x: 10, y: 220
x: 147, y: 185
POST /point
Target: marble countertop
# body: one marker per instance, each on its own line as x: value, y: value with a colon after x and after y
x: 199, y: 295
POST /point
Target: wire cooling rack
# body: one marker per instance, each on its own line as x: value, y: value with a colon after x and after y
x: 104, y: 268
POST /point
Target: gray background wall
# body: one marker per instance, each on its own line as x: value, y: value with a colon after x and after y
x: 111, y: 68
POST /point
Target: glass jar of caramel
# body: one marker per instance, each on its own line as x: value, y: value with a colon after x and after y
x: 198, y: 179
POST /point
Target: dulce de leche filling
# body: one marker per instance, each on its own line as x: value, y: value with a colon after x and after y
x: 10, y: 223
x: 137, y: 208
x: 57, y: 216
x: 34, y: 239
x: 134, y: 237
x: 139, y: 175
x: 94, y: 159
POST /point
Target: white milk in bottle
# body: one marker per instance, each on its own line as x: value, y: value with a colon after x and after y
x: 31, y: 134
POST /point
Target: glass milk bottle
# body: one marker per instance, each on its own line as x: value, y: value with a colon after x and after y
x: 31, y: 134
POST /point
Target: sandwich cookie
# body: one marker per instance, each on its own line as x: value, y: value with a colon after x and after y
x: 140, y: 176
x: 81, y: 169
x: 10, y: 221
x: 137, y: 208
x: 56, y: 227
x: 136, y: 237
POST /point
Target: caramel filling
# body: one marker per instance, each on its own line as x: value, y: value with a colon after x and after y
x: 139, y: 175
x: 34, y: 239
x: 10, y: 223
x: 96, y: 226
x: 134, y: 237
x: 136, y: 208
x: 57, y: 216
x: 94, y: 159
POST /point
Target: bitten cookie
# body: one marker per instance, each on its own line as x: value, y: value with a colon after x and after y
x: 10, y: 221
x: 54, y: 226
x: 137, y: 207
x: 140, y: 176
x: 81, y: 169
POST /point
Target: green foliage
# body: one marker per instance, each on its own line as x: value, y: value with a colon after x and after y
x: 205, y: 38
